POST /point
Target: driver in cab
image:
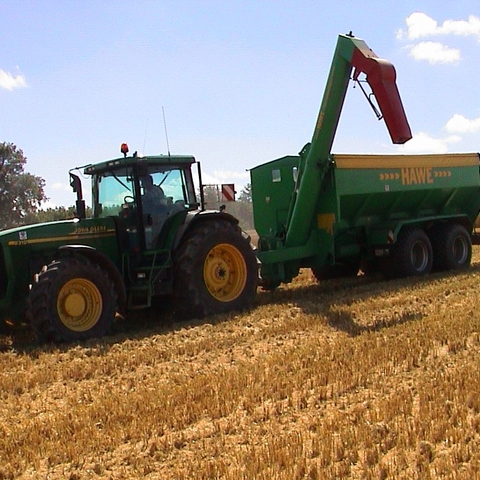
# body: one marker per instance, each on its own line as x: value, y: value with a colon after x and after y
x: 153, y: 198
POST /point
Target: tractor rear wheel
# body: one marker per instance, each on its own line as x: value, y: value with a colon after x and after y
x: 452, y: 247
x: 215, y: 271
x: 412, y: 254
x: 72, y: 299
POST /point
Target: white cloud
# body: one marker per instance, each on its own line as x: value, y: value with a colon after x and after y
x: 434, y: 52
x: 460, y: 124
x: 10, y: 82
x: 471, y: 27
x: 420, y: 25
x: 424, y: 143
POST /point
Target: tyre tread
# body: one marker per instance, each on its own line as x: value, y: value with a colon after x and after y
x: 189, y: 299
x: 40, y: 300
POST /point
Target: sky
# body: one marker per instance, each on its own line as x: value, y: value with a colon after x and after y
x: 239, y: 82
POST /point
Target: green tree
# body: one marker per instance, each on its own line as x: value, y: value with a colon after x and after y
x: 21, y: 193
x: 242, y: 208
x: 212, y: 195
x: 246, y: 194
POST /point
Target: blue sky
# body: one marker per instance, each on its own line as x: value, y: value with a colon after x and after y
x: 240, y: 81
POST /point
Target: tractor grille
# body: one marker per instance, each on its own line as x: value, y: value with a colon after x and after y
x: 3, y: 274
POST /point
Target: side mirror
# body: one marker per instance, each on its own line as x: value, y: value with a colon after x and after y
x: 76, y: 185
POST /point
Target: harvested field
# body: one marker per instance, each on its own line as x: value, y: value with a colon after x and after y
x: 362, y: 379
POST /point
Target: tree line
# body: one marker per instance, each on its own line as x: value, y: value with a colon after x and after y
x: 21, y: 193
x: 241, y: 208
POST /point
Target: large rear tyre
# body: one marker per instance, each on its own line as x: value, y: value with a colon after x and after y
x: 215, y: 271
x: 71, y: 300
x: 412, y: 254
x: 452, y: 247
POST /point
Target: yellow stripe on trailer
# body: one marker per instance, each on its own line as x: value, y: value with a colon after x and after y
x: 406, y: 161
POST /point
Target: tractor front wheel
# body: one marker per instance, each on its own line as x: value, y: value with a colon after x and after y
x: 215, y: 271
x: 72, y: 299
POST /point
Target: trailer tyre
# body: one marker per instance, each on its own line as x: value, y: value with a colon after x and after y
x: 72, y: 299
x: 452, y: 247
x: 215, y: 271
x: 412, y: 254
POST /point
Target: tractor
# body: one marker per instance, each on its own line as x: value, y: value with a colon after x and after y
x: 149, y: 237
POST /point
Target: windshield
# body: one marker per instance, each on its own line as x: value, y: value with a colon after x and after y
x: 113, y: 191
x: 117, y: 188
x: 172, y: 185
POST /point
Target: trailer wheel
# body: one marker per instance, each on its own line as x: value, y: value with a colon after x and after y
x: 412, y: 254
x: 71, y: 300
x: 215, y: 271
x: 452, y: 247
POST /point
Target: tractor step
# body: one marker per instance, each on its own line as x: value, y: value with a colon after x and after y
x: 139, y: 297
x: 144, y: 276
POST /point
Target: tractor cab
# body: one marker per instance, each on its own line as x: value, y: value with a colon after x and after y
x: 143, y: 195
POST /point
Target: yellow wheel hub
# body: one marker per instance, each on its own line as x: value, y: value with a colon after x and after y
x: 79, y: 304
x: 225, y: 272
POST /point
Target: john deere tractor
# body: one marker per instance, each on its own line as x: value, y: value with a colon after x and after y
x: 149, y: 236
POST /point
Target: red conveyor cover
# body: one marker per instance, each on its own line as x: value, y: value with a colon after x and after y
x: 381, y: 77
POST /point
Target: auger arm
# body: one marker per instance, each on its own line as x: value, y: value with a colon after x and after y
x: 350, y: 53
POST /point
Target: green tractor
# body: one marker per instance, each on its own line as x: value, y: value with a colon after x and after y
x: 149, y: 236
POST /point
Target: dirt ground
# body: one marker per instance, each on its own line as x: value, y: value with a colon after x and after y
x: 361, y: 378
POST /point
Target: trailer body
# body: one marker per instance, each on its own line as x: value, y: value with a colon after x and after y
x: 338, y: 213
x: 364, y: 204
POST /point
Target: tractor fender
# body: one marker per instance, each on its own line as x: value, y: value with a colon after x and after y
x: 195, y: 218
x: 105, y: 263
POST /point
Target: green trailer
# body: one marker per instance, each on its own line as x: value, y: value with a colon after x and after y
x: 406, y: 214
x: 336, y: 214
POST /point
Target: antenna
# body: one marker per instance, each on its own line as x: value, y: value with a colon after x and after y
x: 145, y: 137
x: 166, y: 134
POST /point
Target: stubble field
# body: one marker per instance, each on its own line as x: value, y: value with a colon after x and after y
x: 362, y: 379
